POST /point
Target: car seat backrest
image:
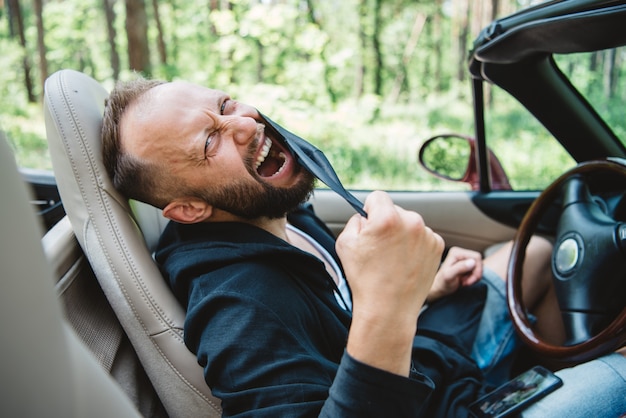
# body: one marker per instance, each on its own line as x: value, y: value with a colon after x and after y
x: 118, y: 251
x: 151, y: 222
x: 45, y: 369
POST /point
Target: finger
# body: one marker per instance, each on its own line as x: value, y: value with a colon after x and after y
x: 354, y: 223
x: 349, y: 234
x: 378, y: 202
x: 475, y: 275
x: 462, y: 267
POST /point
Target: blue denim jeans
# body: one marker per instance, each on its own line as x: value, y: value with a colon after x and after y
x: 593, y: 389
x: 496, y: 339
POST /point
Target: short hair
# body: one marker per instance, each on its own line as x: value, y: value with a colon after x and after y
x: 134, y: 178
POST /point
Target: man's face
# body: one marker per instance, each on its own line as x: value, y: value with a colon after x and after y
x: 217, y: 147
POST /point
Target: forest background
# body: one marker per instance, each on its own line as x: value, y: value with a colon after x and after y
x: 367, y: 81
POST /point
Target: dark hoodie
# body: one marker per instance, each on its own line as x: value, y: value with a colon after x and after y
x: 264, y: 323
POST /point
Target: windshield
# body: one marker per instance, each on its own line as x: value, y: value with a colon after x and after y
x: 599, y: 77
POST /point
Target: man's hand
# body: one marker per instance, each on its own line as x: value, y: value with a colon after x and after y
x: 461, y: 267
x: 390, y: 259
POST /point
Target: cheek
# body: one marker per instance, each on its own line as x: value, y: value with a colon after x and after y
x: 233, y: 165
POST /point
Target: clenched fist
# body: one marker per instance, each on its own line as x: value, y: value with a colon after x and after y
x: 390, y: 259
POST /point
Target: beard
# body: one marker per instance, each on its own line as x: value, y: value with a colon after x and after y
x: 250, y: 201
x: 255, y: 198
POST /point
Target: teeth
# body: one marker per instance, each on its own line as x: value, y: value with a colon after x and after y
x: 264, y: 151
x: 284, y: 157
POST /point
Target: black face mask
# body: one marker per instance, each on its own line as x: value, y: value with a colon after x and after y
x: 314, y: 161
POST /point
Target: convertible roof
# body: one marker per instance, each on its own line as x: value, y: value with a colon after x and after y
x: 515, y: 53
x: 554, y: 27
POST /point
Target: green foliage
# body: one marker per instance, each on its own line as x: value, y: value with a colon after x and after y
x: 531, y: 157
x: 24, y: 129
x: 313, y: 71
x: 602, y: 80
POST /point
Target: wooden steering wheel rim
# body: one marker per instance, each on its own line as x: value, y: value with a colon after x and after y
x: 609, y: 339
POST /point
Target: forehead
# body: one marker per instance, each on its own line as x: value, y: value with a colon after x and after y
x: 167, y: 110
x: 182, y: 94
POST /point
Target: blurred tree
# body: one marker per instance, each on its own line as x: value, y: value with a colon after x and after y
x: 313, y: 19
x: 137, y: 35
x: 16, y: 29
x: 437, y: 22
x: 610, y: 73
x: 461, y: 28
x: 41, y: 46
x: 109, y: 13
x: 409, y: 48
x: 361, y: 68
x: 160, y: 38
x: 378, y: 54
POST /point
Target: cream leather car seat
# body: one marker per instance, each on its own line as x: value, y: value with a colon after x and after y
x: 45, y: 368
x: 118, y: 241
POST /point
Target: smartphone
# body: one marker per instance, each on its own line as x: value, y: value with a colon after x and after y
x: 516, y: 394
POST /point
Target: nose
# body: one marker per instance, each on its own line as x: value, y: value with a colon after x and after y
x: 241, y: 109
x: 242, y: 129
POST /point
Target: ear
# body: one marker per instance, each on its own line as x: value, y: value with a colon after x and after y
x: 188, y: 210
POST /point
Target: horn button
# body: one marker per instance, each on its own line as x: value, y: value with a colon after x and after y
x: 568, y: 254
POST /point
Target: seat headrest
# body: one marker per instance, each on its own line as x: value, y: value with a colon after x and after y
x: 88, y: 98
x: 106, y: 229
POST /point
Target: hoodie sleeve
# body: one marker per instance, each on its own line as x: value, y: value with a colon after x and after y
x: 266, y: 356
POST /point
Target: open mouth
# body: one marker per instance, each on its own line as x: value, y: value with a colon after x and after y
x: 271, y: 159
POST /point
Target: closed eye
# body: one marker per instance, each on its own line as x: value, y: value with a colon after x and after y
x: 209, y: 142
x: 223, y: 106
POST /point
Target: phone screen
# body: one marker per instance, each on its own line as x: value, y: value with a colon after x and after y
x: 514, y: 395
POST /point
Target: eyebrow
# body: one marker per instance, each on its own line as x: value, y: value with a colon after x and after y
x: 222, y: 98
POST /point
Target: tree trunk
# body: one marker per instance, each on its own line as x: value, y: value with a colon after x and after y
x: 137, y: 35
x: 462, y: 23
x: 16, y: 24
x: 41, y: 46
x: 260, y: 68
x: 213, y: 5
x: 610, y: 75
x: 114, y: 57
x: 437, y: 44
x: 378, y: 55
x: 327, y: 69
x: 160, y: 39
x: 359, y: 79
x: 495, y: 9
x: 409, y: 48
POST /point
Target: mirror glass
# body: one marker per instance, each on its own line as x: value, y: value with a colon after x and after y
x: 446, y: 156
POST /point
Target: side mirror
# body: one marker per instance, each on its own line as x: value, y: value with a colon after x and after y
x: 453, y: 157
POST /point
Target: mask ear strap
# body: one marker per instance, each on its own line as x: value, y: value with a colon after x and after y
x: 314, y: 161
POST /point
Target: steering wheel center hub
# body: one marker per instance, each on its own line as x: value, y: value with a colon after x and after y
x: 567, y: 255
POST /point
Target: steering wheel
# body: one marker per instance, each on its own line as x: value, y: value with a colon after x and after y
x: 588, y: 266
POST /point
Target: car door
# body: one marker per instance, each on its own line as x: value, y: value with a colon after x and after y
x: 453, y: 215
x: 45, y: 197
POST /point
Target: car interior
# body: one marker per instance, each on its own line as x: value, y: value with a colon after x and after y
x: 37, y: 334
x: 112, y: 293
x: 107, y: 323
